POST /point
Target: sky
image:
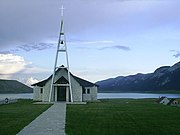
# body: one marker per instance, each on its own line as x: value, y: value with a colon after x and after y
x: 105, y: 38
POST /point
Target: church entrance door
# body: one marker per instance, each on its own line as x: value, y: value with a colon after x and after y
x: 61, y: 93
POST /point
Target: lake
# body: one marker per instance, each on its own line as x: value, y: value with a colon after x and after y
x: 135, y: 95
x: 100, y: 95
x: 17, y: 96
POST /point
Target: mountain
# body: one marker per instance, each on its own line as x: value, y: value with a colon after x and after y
x: 13, y: 86
x: 166, y: 78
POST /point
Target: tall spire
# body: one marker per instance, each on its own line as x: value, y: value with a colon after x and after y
x: 62, y: 11
x: 61, y: 48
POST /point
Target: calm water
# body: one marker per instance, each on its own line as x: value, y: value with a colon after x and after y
x: 16, y: 96
x: 100, y: 95
x: 135, y: 95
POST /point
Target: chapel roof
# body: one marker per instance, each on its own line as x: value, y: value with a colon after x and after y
x: 160, y: 99
x: 82, y: 82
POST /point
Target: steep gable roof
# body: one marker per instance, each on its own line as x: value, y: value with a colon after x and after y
x: 41, y: 84
x: 160, y: 99
x: 82, y: 82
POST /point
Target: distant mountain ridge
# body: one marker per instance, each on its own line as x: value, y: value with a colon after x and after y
x: 13, y: 86
x: 166, y: 78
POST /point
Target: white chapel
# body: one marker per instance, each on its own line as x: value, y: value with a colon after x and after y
x: 82, y: 90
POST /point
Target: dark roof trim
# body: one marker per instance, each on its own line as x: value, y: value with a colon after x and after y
x: 41, y: 84
x: 83, y: 82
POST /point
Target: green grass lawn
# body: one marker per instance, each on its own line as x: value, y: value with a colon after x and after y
x: 123, y: 117
x: 15, y: 116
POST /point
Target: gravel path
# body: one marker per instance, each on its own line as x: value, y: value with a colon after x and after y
x: 50, y: 122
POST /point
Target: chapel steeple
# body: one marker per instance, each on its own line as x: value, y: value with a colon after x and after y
x: 61, y: 50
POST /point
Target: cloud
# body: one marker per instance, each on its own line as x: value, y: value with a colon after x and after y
x: 10, y: 64
x: 177, y: 53
x: 102, y: 46
x: 125, y: 48
x: 31, y: 24
x: 35, y: 46
x: 89, y: 42
x: 52, y: 44
x: 31, y: 69
x: 84, y: 48
x: 4, y: 76
x: 29, y: 47
x: 31, y: 81
x: 5, y: 52
x: 23, y: 22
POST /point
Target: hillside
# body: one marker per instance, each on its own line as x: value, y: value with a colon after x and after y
x: 13, y: 86
x: 166, y: 78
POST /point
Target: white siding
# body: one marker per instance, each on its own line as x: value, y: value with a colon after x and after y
x: 165, y: 101
x: 76, y: 90
x: 45, y: 97
x: 92, y: 96
x: 37, y: 95
x: 94, y: 93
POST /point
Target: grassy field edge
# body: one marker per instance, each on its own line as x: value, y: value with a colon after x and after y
x: 15, y: 116
x: 123, y: 117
